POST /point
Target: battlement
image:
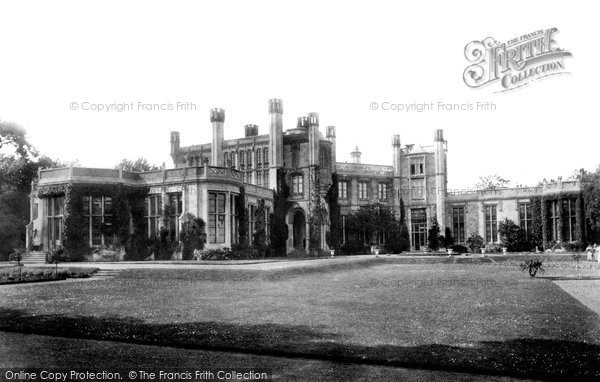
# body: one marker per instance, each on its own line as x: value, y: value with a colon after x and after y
x: 217, y: 115
x: 302, y: 123
x: 251, y: 130
x: 396, y: 140
x: 275, y: 106
x: 330, y: 132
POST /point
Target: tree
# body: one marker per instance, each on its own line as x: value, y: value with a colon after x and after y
x: 260, y: 233
x: 14, y: 135
x: 192, y: 235
x: 510, y: 234
x: 139, y: 165
x: 491, y: 182
x: 433, y: 235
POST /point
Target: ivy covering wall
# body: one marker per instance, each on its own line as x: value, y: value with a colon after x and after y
x: 127, y: 206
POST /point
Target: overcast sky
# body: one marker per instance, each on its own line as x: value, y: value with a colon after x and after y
x: 334, y: 59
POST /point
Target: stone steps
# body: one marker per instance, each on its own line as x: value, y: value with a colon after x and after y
x: 34, y: 258
x: 106, y: 273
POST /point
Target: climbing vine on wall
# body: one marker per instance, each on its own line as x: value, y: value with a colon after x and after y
x: 76, y: 225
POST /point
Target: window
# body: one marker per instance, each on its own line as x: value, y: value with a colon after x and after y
x: 259, y: 180
x: 55, y: 213
x: 525, y: 219
x: 417, y: 168
x: 153, y: 213
x: 554, y: 219
x: 242, y: 161
x: 175, y: 210
x: 343, y: 190
x: 259, y: 159
x: 491, y: 224
x: 458, y: 224
x: 344, y: 229
x: 383, y: 193
x: 363, y: 188
x: 235, y: 219
x: 298, y: 184
x: 417, y: 188
x: 266, y: 156
x: 252, y: 222
x: 249, y: 177
x: 570, y: 220
x: 226, y: 162
x: 98, y: 212
x: 266, y: 178
x: 418, y: 223
x: 249, y: 159
x: 216, y: 217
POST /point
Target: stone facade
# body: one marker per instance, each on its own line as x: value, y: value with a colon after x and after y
x: 206, y: 180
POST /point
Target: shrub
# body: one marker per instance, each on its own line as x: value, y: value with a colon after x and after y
x: 493, y: 248
x: 353, y: 247
x: 447, y: 239
x: 433, y: 235
x: 474, y: 242
x: 457, y: 248
x: 576, y: 246
x: 510, y: 234
x: 533, y: 266
x: 192, y: 235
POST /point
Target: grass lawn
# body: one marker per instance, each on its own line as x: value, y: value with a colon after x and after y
x: 484, y: 318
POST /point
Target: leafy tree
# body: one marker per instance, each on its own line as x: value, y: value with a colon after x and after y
x: 138, y: 165
x: 281, y: 205
x: 14, y: 135
x: 433, y: 235
x: 17, y: 170
x: 192, y: 235
x: 491, y: 182
x: 510, y: 234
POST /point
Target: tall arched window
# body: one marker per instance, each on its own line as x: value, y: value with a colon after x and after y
x: 258, y: 158
x: 266, y: 156
x: 249, y: 157
x: 225, y: 159
x: 242, y: 155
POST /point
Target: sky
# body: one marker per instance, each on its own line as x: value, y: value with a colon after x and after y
x: 335, y: 58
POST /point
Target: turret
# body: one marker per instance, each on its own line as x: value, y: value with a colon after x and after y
x: 217, y: 118
x: 313, y: 139
x: 251, y: 130
x: 175, y: 145
x: 397, y: 180
x: 355, y: 155
x: 275, y: 139
x: 331, y: 137
x: 440, y: 177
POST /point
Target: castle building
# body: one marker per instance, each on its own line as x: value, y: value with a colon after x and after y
x: 225, y: 181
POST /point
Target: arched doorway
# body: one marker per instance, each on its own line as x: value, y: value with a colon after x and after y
x: 299, y: 222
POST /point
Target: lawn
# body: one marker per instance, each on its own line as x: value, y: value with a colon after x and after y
x: 483, y: 318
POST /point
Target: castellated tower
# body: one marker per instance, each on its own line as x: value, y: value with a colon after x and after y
x: 331, y: 137
x: 275, y: 139
x: 440, y: 177
x: 397, y: 180
x: 175, y: 145
x: 217, y: 118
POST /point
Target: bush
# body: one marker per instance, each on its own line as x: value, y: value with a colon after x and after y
x: 57, y: 255
x: 354, y: 247
x: 241, y: 253
x: 524, y: 246
x: 447, y: 240
x: 457, y: 248
x: 192, y: 235
x: 474, y: 242
x: 433, y: 235
x: 533, y: 266
x: 510, y: 234
x: 576, y: 246
x: 493, y: 248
